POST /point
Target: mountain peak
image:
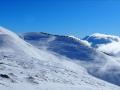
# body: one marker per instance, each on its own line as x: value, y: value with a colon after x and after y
x: 105, y: 43
x: 106, y: 36
x: 98, y: 38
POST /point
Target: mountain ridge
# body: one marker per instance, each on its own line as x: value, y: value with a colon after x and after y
x: 74, y: 49
x: 25, y: 66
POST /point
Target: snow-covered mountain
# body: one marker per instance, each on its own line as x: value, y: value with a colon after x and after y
x: 39, y: 65
x: 109, y: 44
x: 95, y: 62
x: 64, y: 45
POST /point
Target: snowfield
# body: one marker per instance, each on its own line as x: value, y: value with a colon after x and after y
x: 24, y: 66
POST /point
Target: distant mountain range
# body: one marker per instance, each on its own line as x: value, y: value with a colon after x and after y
x: 41, y: 61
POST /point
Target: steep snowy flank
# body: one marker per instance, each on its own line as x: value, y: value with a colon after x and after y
x: 25, y: 67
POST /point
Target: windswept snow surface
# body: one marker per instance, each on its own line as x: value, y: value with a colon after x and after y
x: 25, y: 67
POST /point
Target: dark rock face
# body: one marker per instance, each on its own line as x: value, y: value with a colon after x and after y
x: 4, y: 76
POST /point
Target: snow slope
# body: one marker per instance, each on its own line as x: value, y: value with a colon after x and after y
x: 25, y: 67
x: 78, y: 51
x: 64, y: 45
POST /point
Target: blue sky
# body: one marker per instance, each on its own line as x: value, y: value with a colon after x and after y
x: 71, y: 17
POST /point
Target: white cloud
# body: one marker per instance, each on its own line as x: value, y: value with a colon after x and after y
x: 81, y: 41
x: 105, y: 36
x: 113, y: 48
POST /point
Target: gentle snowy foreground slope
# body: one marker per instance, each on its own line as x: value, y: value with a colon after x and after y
x: 25, y: 67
